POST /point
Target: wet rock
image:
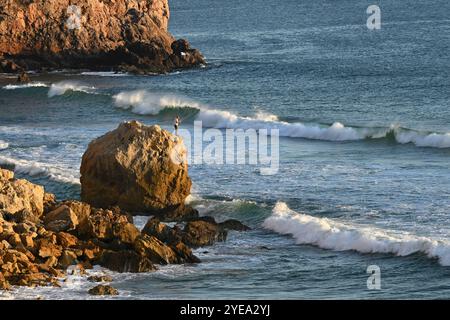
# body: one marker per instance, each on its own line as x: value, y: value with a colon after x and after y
x: 23, y: 78
x: 102, y: 290
x: 202, y: 233
x: 233, y: 224
x: 100, y: 279
x: 126, y: 261
x: 4, y: 285
x: 68, y: 258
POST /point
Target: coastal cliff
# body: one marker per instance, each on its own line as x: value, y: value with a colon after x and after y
x: 114, y: 35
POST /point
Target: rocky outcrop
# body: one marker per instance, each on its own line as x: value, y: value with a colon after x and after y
x: 17, y: 195
x: 133, y: 168
x: 127, y: 35
x: 38, y: 245
x: 202, y: 233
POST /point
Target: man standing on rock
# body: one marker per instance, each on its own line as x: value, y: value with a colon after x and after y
x: 176, y: 124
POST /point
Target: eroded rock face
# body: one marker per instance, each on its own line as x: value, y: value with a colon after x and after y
x: 132, y: 168
x: 96, y: 34
x: 18, y: 194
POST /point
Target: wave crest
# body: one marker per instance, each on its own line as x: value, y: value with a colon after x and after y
x: 60, y: 88
x: 34, y: 168
x: 329, y: 234
x: 145, y: 103
x: 3, y: 145
x: 25, y: 86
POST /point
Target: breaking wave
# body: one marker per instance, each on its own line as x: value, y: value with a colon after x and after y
x: 60, y: 88
x: 25, y: 86
x: 145, y: 103
x: 35, y: 168
x: 329, y: 234
x: 3, y: 145
x: 104, y: 74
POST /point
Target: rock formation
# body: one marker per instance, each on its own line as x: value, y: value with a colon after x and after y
x: 37, y: 246
x: 39, y: 242
x: 133, y: 168
x: 121, y: 35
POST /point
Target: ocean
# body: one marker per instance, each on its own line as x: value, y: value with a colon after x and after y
x: 363, y: 118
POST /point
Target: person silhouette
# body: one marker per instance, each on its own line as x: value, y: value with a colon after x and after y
x: 176, y: 124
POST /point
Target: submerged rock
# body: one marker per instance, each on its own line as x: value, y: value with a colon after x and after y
x: 233, y: 224
x: 132, y: 168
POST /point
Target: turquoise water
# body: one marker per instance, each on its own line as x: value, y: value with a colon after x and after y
x: 364, y: 147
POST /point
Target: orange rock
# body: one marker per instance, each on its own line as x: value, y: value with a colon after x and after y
x: 66, y: 239
x: 48, y: 249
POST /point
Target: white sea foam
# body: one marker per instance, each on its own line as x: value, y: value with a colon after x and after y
x: 333, y: 235
x: 25, y: 86
x: 434, y: 140
x: 104, y: 74
x: 3, y: 145
x: 60, y: 88
x: 35, y: 168
x: 143, y: 102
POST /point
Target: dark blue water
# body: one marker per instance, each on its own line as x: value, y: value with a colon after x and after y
x: 364, y: 145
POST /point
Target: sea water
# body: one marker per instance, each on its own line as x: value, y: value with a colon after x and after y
x: 363, y: 117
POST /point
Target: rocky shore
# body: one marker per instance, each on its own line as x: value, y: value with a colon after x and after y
x: 106, y: 35
x: 132, y: 168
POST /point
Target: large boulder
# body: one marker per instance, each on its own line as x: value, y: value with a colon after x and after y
x: 132, y: 167
x: 18, y: 194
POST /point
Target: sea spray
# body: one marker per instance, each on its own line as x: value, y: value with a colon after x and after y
x: 35, y: 168
x: 60, y: 88
x: 146, y: 103
x: 333, y: 235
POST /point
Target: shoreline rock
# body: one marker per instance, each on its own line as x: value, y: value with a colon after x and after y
x: 130, y: 36
x: 132, y: 167
x: 37, y: 247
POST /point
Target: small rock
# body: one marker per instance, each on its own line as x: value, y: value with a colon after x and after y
x: 233, y: 224
x: 100, y: 279
x: 102, y: 290
x: 23, y: 78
